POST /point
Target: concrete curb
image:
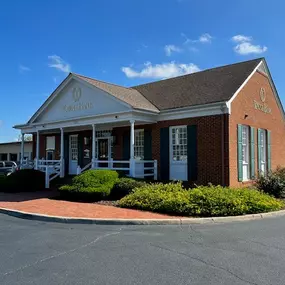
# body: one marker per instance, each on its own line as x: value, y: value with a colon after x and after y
x: 175, y: 221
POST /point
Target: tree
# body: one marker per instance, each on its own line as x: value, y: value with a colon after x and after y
x: 27, y: 138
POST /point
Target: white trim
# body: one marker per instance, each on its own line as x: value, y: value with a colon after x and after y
x: 97, y: 88
x: 59, y: 88
x: 274, y: 90
x: 65, y: 82
x: 171, y: 145
x: 102, y: 119
x: 271, y: 82
x: 194, y: 111
x: 245, y: 82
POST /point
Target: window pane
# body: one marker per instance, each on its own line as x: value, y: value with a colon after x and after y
x: 179, y: 143
x: 139, y: 144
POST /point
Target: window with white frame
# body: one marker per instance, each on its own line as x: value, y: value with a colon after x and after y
x: 263, y: 147
x: 245, y: 152
x: 139, y: 144
x: 179, y: 143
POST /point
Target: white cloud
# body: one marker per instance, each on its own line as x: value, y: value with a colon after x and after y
x: 159, y: 71
x: 23, y: 68
x: 169, y: 49
x: 58, y: 63
x: 248, y: 48
x: 205, y: 38
x: 241, y: 39
x: 245, y: 46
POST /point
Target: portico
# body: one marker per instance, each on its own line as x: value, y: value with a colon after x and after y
x: 70, y: 139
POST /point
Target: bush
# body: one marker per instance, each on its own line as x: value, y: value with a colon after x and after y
x: 201, y: 201
x: 24, y: 180
x: 124, y: 187
x: 92, y: 185
x: 273, y: 183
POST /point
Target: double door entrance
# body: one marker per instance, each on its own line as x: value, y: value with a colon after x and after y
x: 77, y: 152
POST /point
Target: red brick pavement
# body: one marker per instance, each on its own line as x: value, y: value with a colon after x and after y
x: 41, y: 203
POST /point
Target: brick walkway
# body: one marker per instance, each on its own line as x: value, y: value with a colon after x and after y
x: 40, y: 203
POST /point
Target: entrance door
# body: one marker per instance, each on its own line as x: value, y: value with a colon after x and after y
x: 178, y: 153
x: 73, y: 154
x: 103, y: 151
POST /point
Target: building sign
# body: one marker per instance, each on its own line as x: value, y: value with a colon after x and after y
x: 262, y: 106
x: 77, y: 106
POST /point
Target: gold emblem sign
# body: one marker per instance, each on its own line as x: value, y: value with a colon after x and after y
x: 76, y: 94
x: 263, y: 107
x: 262, y: 94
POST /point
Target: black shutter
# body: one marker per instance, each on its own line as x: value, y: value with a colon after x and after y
x: 126, y: 146
x: 192, y: 152
x: 147, y: 145
x: 66, y: 153
x: 164, y: 154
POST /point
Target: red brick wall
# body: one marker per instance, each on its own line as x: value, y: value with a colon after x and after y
x: 209, y: 136
x: 243, y: 105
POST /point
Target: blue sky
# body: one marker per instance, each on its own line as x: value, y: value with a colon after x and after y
x: 127, y: 42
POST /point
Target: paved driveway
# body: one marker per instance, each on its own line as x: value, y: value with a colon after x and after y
x: 34, y: 252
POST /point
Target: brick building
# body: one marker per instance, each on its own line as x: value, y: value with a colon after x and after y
x: 222, y: 126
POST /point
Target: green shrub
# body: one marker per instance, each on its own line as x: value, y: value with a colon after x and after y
x: 200, y: 201
x: 125, y: 186
x: 24, y: 180
x: 273, y: 183
x: 92, y: 185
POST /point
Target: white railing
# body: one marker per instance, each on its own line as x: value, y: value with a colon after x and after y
x: 134, y: 168
x: 26, y: 164
x: 145, y: 168
x: 51, y: 168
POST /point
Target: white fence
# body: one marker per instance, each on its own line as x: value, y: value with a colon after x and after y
x: 52, y: 169
x: 133, y: 168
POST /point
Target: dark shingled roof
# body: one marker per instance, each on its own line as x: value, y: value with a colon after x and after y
x: 204, y: 87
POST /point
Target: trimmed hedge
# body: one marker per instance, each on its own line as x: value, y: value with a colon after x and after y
x: 273, y: 183
x: 92, y: 185
x: 201, y: 201
x: 25, y: 180
x: 124, y: 187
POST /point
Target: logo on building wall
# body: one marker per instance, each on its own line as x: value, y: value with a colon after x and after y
x: 76, y: 96
x: 262, y: 106
x: 262, y: 94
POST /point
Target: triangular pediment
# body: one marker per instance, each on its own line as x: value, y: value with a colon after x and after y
x: 78, y: 99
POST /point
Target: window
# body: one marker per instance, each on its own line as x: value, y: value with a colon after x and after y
x: 245, y: 152
x: 139, y: 144
x: 50, y: 143
x: 178, y: 143
x: 263, y: 147
x: 87, y: 147
x: 4, y: 157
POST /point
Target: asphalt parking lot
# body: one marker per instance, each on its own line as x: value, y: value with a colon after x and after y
x: 250, y: 252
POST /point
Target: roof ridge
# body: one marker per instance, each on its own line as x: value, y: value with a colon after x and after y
x: 88, y: 77
x: 197, y: 72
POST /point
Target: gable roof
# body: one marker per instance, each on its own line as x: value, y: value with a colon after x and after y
x: 128, y: 95
x: 204, y: 87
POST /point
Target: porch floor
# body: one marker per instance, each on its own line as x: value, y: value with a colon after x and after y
x: 41, y: 203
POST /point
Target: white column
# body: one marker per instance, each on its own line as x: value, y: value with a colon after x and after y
x: 61, y: 153
x: 93, y: 146
x: 22, y: 148
x: 8, y: 156
x: 132, y: 149
x: 37, y: 150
